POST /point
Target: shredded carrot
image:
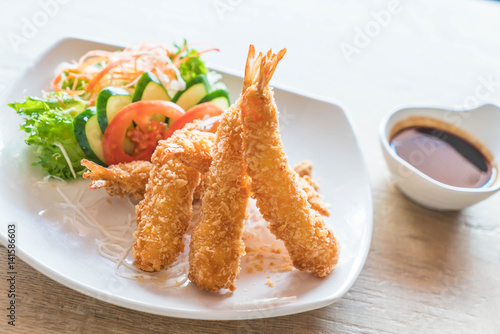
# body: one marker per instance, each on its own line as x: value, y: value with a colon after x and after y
x: 56, y: 80
x: 95, y: 53
x: 60, y: 101
x: 197, y: 54
x: 70, y: 92
x: 178, y: 56
x: 125, y: 66
x: 94, y: 81
x: 75, y: 83
x: 92, y: 61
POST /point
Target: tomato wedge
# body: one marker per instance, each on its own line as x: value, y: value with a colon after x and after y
x: 140, y: 113
x: 197, y: 112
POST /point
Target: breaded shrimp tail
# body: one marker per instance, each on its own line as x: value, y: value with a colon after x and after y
x: 216, y: 244
x: 164, y: 215
x: 124, y: 179
x: 280, y: 195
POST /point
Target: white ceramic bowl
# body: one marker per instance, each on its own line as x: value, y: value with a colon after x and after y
x: 482, y: 123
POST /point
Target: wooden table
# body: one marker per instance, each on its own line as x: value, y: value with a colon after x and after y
x: 427, y: 271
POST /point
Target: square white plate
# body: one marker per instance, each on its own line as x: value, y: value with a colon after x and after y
x: 311, y: 128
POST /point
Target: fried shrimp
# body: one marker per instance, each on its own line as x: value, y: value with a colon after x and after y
x: 125, y: 179
x: 130, y: 179
x: 216, y: 243
x: 164, y: 215
x: 190, y: 146
x: 280, y: 196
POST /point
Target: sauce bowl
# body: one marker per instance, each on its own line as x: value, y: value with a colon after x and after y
x: 482, y: 124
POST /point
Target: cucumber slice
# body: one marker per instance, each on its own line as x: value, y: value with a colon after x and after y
x: 220, y: 97
x: 109, y: 102
x: 89, y: 135
x: 150, y: 87
x: 195, y: 90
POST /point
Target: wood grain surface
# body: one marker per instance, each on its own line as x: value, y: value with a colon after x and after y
x: 427, y: 271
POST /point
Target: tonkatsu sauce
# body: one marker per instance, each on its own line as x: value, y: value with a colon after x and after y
x: 443, y: 156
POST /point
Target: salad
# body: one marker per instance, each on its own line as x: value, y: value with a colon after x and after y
x: 113, y: 107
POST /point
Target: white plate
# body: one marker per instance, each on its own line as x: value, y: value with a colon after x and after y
x: 312, y: 128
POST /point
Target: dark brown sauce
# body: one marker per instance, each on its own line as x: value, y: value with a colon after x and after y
x: 443, y: 156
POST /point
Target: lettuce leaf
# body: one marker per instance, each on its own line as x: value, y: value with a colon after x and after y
x: 191, y: 67
x: 48, y: 124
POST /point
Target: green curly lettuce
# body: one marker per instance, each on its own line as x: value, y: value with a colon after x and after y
x: 193, y: 65
x: 48, y: 124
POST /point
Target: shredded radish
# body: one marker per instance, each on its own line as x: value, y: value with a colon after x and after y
x: 66, y: 157
x: 114, y: 242
x: 98, y: 69
x: 47, y: 178
x: 263, y: 251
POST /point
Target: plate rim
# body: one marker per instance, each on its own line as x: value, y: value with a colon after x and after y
x: 276, y: 311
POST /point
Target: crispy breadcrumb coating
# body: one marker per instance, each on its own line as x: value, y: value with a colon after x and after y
x: 216, y: 246
x: 304, y: 168
x: 164, y: 215
x: 313, y: 196
x: 279, y: 192
x: 130, y: 179
x: 124, y: 179
x: 216, y: 243
x: 191, y: 147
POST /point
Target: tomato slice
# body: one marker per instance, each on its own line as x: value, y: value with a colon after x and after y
x: 140, y: 113
x: 197, y: 112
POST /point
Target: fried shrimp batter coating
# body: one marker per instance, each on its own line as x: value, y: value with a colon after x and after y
x: 191, y: 147
x: 279, y: 192
x: 124, y: 179
x: 130, y: 179
x: 216, y: 243
x: 304, y: 169
x: 164, y: 215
